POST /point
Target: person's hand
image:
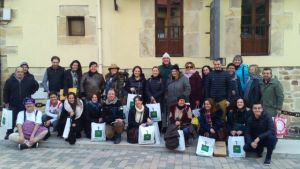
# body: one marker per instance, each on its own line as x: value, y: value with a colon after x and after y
x: 149, y: 121
x: 152, y: 99
x: 227, y: 103
x: 233, y: 132
x: 119, y: 120
x: 132, y: 89
x: 278, y: 111
x: 73, y: 125
x: 31, y: 140
x: 177, y: 123
x: 257, y: 140
x: 197, y: 103
x: 254, y: 145
x: 212, y: 131
x: 72, y: 114
x: 47, y: 123
x: 100, y: 120
x: 143, y: 124
x: 6, y: 105
x: 239, y: 132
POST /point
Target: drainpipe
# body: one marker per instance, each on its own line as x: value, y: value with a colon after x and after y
x: 215, y: 30
x: 99, y: 36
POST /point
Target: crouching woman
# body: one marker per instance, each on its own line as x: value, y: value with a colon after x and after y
x: 29, y: 126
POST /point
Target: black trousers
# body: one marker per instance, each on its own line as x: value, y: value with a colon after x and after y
x: 15, y: 111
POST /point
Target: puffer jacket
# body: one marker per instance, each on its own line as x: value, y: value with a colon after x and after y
x: 155, y: 87
x: 176, y: 88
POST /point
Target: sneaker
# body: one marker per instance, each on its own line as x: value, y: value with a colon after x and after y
x: 22, y: 146
x: 35, y: 145
x: 6, y: 137
x: 117, y: 141
x: 267, y: 161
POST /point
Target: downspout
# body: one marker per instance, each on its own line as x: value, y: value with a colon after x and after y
x: 215, y: 42
x: 99, y: 36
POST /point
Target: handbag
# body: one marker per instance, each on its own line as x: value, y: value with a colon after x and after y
x: 132, y: 135
x: 280, y: 124
x: 235, y: 146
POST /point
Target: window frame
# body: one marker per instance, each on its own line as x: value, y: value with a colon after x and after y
x: 69, y: 24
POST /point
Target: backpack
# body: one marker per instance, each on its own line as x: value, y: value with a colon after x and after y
x: 172, y: 137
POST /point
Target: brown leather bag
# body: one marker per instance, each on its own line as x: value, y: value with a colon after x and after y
x: 132, y: 135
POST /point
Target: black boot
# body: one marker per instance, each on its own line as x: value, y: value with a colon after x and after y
x: 72, y: 136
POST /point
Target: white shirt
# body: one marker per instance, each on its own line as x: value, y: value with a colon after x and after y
x: 29, y: 117
x: 53, y: 111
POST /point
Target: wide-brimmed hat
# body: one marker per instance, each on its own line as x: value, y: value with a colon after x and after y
x: 113, y: 66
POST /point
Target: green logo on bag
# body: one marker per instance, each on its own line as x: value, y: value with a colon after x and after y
x: 204, y: 147
x: 153, y: 113
x: 3, y: 120
x: 236, y: 148
x: 147, y: 136
x: 98, y: 133
x: 131, y: 104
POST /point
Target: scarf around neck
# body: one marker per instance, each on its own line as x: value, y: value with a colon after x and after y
x: 78, y: 110
x: 139, y: 114
x: 189, y: 73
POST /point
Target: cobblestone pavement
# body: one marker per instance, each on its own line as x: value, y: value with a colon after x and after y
x: 84, y: 158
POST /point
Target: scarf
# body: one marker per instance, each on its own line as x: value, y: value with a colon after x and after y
x: 208, y: 118
x: 189, y: 73
x: 139, y: 114
x: 74, y: 78
x: 79, y: 108
x: 111, y: 102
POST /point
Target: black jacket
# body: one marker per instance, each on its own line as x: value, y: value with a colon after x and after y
x: 155, y: 87
x: 15, y: 91
x: 92, y: 112
x: 111, y: 112
x: 139, y: 85
x: 235, y: 90
x: 254, y: 94
x: 68, y: 81
x: 131, y: 117
x: 262, y: 127
x: 218, y: 85
x: 55, y: 78
x: 236, y: 119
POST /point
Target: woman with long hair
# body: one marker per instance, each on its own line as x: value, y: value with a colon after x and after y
x: 72, y: 77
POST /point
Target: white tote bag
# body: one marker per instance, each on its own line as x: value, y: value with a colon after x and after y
x: 125, y: 113
x: 146, y: 134
x: 235, y: 146
x: 98, y: 132
x: 130, y: 101
x: 205, y: 146
x: 156, y: 133
x: 6, y: 119
x: 181, y: 146
x: 67, y: 128
x: 154, y: 111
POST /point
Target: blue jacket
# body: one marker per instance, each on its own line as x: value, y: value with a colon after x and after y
x: 242, y: 73
x: 216, y: 121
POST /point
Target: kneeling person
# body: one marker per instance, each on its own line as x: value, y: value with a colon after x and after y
x: 29, y: 126
x: 259, y: 133
x: 113, y: 116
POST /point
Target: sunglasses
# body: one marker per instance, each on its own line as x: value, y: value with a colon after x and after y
x: 189, y: 67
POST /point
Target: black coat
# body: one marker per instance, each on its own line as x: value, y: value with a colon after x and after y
x: 262, y: 127
x: 254, y: 95
x: 68, y: 81
x: 235, y: 91
x: 155, y: 87
x: 55, y: 78
x: 236, y: 119
x: 139, y: 85
x: 111, y: 112
x: 92, y: 112
x: 15, y: 91
x: 131, y: 117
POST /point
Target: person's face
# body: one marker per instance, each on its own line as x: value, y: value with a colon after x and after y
x: 181, y: 102
x: 257, y: 110
x: 240, y: 104
x: 252, y: 70
x: 166, y: 61
x: 25, y: 68
x: 71, y: 99
x: 113, y: 71
x: 55, y: 63
x: 75, y: 66
x: 29, y: 107
x: 137, y: 72
x: 94, y: 98
x: 174, y: 73
x: 217, y: 65
x: 111, y: 95
x: 231, y: 70
x: 207, y: 105
x: 155, y: 72
x: 189, y: 67
x: 206, y: 71
x: 53, y: 98
x: 93, y: 68
x: 19, y: 73
x: 267, y: 75
x: 138, y: 102
x: 237, y: 61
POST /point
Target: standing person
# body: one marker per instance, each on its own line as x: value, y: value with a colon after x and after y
x: 218, y: 87
x: 73, y: 108
x: 237, y: 118
x: 195, y: 83
x: 235, y: 85
x: 205, y: 72
x: 92, y: 82
x: 54, y: 76
x: 272, y: 93
x: 16, y: 88
x: 259, y: 133
x: 113, y: 116
x: 116, y: 80
x: 165, y: 67
x: 210, y: 119
x: 138, y: 115
x: 241, y: 70
x: 29, y: 123
x: 93, y: 114
x: 136, y: 84
x: 72, y: 77
x: 252, y: 92
x: 25, y: 67
x: 177, y: 85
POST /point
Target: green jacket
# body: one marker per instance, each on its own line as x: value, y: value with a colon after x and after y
x: 165, y: 71
x: 272, y: 96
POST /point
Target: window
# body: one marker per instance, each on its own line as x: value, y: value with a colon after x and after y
x: 169, y: 27
x: 76, y: 26
x: 255, y: 27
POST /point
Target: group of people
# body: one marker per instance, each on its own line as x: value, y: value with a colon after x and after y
x: 234, y: 101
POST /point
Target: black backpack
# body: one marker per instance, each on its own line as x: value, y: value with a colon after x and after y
x: 172, y: 137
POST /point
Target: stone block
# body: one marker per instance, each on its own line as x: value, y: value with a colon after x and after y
x: 9, y: 50
x: 232, y: 36
x: 15, y: 31
x: 282, y: 22
x: 297, y: 105
x: 90, y: 26
x: 276, y: 8
x: 295, y: 82
x: 191, y: 22
x: 193, y: 5
x: 73, y: 10
x: 147, y: 43
x: 286, y: 85
x: 296, y: 72
x: 149, y: 23
x: 235, y: 3
x: 191, y: 44
x: 148, y: 8
x: 277, y: 44
x: 283, y: 72
x: 62, y: 26
x: 296, y: 94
